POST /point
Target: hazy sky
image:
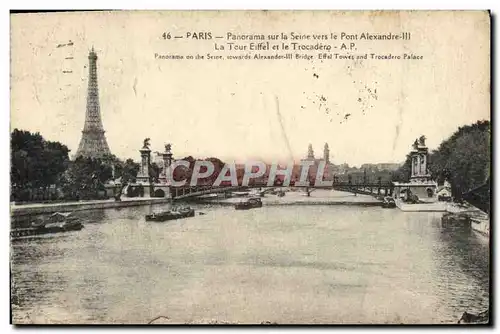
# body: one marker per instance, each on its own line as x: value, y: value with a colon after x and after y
x: 228, y: 108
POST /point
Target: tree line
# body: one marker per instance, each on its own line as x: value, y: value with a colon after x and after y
x: 42, y: 170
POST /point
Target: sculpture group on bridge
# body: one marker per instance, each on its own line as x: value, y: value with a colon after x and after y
x: 419, y: 142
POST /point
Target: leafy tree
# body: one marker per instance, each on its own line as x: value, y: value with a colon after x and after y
x: 218, y: 165
x: 56, y: 161
x: 85, y: 177
x: 126, y: 170
x: 464, y: 158
x: 184, y: 173
x: 35, y: 163
x: 404, y: 172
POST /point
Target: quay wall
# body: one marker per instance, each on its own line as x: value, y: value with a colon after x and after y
x: 47, y: 208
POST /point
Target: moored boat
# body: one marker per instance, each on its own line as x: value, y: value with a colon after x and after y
x: 171, y: 214
x: 471, y: 318
x: 56, y: 223
x: 456, y: 220
x: 388, y: 202
x: 481, y: 226
x: 249, y: 203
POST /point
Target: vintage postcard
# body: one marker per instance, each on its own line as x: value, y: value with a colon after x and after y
x: 250, y: 167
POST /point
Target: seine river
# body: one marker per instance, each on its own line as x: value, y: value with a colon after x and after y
x: 284, y: 264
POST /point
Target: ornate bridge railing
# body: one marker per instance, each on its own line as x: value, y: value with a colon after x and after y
x: 385, y: 189
x: 188, y: 191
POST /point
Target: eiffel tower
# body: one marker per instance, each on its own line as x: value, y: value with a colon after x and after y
x: 93, y: 143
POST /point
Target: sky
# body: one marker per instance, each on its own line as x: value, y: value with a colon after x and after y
x: 368, y: 111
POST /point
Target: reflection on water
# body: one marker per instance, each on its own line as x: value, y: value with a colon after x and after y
x: 467, y: 252
x: 316, y: 264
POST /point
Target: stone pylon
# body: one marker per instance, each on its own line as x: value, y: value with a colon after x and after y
x: 143, y: 177
x: 167, y: 162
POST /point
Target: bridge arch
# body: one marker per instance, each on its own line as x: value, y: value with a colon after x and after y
x: 159, y: 193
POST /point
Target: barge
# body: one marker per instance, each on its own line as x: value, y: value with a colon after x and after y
x: 249, y: 203
x: 388, y: 202
x: 55, y: 223
x: 170, y: 215
x: 456, y: 221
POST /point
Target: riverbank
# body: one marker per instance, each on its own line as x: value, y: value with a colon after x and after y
x: 40, y: 208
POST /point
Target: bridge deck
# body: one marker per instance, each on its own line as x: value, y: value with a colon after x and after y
x: 368, y: 189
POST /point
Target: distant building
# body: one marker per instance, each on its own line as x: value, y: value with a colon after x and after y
x: 326, y: 153
x: 313, y: 170
x: 310, y: 153
x: 380, y: 167
x: 342, y: 168
x: 388, y: 166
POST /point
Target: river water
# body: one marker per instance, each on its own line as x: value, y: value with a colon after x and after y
x: 284, y: 264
